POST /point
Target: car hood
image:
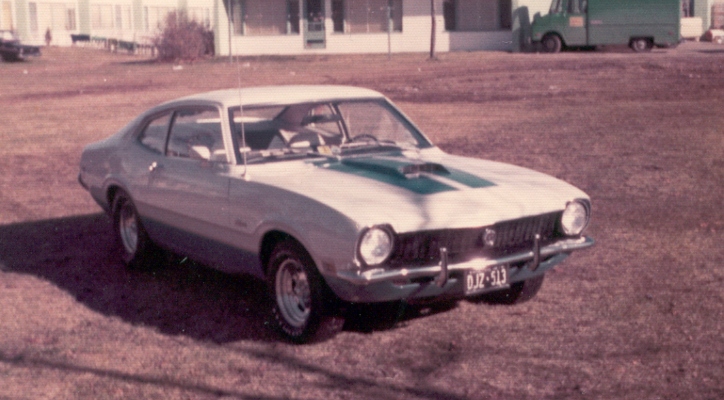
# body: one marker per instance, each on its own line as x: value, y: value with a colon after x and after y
x: 421, y: 190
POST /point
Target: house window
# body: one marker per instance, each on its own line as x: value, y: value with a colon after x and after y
x: 477, y: 15
x: 62, y: 17
x: 686, y: 9
x: 119, y: 16
x: 123, y: 16
x: 201, y: 15
x: 367, y: 16
x: 7, y: 16
x: 338, y: 15
x: 265, y: 17
x: 70, y: 19
x: 155, y: 17
x: 53, y: 16
x: 448, y: 12
x: 101, y: 16
x: 33, y: 17
x: 505, y: 14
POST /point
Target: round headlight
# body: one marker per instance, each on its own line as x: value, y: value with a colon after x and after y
x: 575, y: 218
x: 375, y: 245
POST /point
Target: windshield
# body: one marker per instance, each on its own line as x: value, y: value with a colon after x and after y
x: 321, y: 129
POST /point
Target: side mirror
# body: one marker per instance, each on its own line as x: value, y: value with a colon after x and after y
x: 200, y: 153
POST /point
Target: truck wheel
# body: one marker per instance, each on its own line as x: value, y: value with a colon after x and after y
x: 641, y: 45
x: 137, y: 250
x: 302, y: 303
x: 518, y: 292
x: 552, y: 43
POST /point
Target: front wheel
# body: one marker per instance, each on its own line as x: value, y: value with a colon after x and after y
x: 518, y: 292
x: 552, y: 43
x: 303, y: 305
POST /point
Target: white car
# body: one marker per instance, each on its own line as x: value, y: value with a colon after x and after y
x: 329, y: 193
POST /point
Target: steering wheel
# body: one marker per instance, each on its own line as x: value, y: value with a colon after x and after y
x: 365, y: 136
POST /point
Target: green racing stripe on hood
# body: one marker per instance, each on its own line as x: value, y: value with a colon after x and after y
x: 417, y: 177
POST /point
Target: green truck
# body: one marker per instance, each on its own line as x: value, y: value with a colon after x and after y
x: 641, y: 24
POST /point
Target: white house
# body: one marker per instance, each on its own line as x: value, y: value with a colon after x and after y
x: 256, y: 27
x: 360, y: 26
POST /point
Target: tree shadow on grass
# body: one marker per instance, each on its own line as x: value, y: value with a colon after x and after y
x: 79, y: 255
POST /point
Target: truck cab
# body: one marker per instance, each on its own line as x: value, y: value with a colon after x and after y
x: 564, y: 25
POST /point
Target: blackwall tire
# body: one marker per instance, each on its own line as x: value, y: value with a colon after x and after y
x: 304, y: 308
x: 552, y: 43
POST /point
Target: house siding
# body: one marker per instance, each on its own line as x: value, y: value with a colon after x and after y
x: 476, y: 32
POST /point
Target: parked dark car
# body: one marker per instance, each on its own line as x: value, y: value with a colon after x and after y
x: 12, y: 50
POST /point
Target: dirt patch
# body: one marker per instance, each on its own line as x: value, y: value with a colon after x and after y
x: 638, y: 316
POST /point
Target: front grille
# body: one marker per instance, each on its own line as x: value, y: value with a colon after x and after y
x: 424, y: 247
x: 521, y: 232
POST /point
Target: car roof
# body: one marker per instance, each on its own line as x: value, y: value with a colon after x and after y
x: 281, y: 95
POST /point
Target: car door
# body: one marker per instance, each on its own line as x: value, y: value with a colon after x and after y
x: 575, y: 29
x: 188, y: 187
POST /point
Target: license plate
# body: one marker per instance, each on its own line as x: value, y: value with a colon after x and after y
x: 484, y: 280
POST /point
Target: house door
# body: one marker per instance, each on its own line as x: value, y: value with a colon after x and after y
x: 314, y: 37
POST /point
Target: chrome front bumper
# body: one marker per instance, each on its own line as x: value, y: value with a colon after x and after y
x: 441, y: 271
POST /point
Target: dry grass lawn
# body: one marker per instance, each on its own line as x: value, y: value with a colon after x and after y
x: 638, y: 316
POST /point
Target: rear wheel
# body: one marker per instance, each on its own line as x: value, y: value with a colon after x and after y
x: 552, y: 43
x: 641, y: 45
x: 137, y: 250
x: 303, y: 306
x: 518, y: 292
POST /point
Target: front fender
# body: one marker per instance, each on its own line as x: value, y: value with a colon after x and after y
x: 258, y: 208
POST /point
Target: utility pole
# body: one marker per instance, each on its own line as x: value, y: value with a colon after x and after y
x: 432, y: 30
x: 389, y: 31
x: 231, y: 26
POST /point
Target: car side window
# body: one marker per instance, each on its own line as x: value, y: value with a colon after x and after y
x: 577, y: 6
x: 154, y: 134
x: 196, y: 133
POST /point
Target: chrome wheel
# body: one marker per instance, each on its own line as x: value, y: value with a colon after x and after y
x: 293, y: 294
x: 304, y: 308
x: 128, y: 228
x: 137, y: 250
x: 640, y: 45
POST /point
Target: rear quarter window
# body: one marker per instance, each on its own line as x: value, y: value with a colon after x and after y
x: 154, y: 134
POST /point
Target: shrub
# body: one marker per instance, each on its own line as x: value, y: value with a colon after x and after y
x: 183, y: 39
